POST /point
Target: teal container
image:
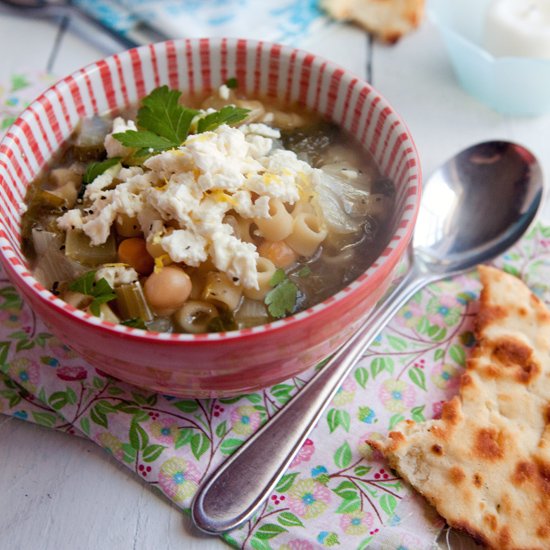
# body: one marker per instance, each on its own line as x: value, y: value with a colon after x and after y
x: 511, y: 85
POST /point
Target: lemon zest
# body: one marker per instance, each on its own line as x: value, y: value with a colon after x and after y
x: 160, y: 262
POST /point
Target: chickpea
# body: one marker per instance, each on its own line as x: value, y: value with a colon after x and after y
x: 278, y: 252
x: 167, y: 290
x: 133, y: 251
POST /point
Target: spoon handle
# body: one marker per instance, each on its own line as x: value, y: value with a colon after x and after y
x: 233, y: 493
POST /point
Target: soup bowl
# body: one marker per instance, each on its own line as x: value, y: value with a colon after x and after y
x: 212, y: 364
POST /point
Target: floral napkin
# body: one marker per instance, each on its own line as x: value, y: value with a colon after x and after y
x: 337, y: 492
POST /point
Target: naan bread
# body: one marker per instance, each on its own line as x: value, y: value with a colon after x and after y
x: 485, y: 465
x: 389, y: 20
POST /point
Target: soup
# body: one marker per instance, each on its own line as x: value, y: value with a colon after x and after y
x: 219, y: 215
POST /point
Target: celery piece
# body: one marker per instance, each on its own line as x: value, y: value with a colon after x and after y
x: 52, y: 265
x: 79, y: 248
x: 104, y: 312
x: 52, y: 199
x: 131, y: 302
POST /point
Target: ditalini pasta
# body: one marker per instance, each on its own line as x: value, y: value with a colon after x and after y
x: 212, y: 214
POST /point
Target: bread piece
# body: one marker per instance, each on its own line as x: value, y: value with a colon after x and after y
x: 485, y: 465
x: 389, y: 20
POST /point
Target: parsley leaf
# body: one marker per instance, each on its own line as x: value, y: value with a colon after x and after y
x: 278, y: 277
x: 304, y: 272
x: 163, y: 123
x: 146, y: 141
x: 135, y: 322
x: 100, y: 291
x: 281, y: 300
x: 162, y: 114
x: 95, y: 169
x: 83, y: 284
x: 226, y: 115
x: 232, y: 83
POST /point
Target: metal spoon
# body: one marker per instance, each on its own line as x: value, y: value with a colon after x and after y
x: 474, y: 207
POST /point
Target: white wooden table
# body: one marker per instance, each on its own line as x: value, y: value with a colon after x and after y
x: 60, y: 492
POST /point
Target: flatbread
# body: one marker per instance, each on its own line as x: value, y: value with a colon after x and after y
x: 485, y: 465
x: 389, y: 20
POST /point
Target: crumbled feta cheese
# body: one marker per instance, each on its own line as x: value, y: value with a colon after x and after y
x: 98, y: 226
x: 221, y: 157
x: 235, y: 257
x: 282, y: 169
x: 113, y: 147
x: 149, y: 220
x: 185, y: 246
x: 247, y: 209
x: 259, y: 146
x: 224, y: 92
x: 117, y: 274
x: 125, y: 198
x: 262, y: 130
x: 101, y: 182
x: 70, y: 220
x: 208, y: 217
x: 174, y: 201
x: 170, y: 162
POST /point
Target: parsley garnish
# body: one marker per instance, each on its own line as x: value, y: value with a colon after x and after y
x: 278, y: 277
x: 226, y: 115
x: 100, y: 291
x: 281, y: 299
x: 232, y: 83
x: 304, y: 272
x: 136, y: 322
x: 163, y: 123
x: 95, y: 169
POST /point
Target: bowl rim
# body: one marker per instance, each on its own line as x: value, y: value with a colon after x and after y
x: 371, y: 276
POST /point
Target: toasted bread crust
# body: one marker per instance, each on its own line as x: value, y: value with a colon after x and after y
x: 485, y: 465
x: 389, y: 20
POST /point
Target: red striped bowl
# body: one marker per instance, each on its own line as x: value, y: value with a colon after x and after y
x: 221, y: 364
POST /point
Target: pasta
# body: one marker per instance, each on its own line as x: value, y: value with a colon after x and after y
x: 240, y: 224
x: 302, y: 207
x: 279, y: 225
x: 194, y: 316
x: 266, y: 270
x: 307, y: 234
x: 219, y: 290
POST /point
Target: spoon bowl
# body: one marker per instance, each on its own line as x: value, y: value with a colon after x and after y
x: 474, y: 207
